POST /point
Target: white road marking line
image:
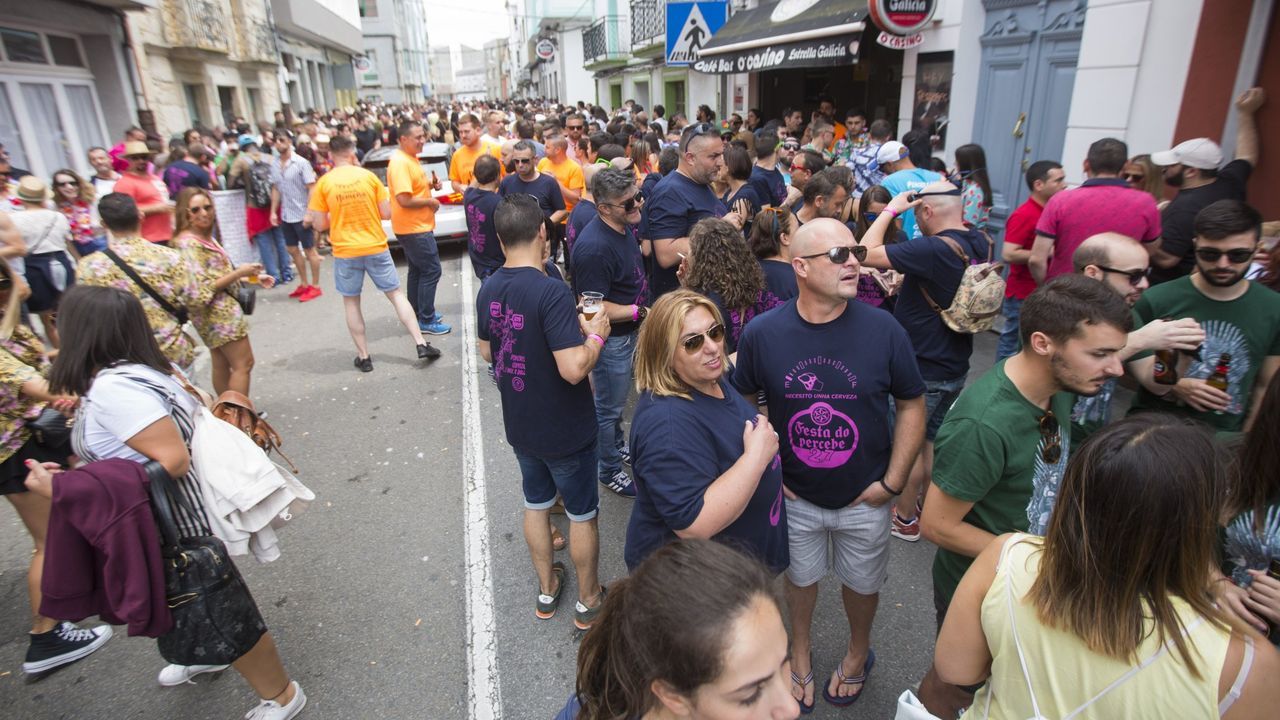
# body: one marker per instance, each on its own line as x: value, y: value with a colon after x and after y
x: 484, y: 695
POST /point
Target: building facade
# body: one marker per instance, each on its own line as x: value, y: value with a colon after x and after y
x: 393, y: 65
x: 318, y: 40
x: 67, y: 82
x: 497, y: 77
x: 440, y: 67
x: 559, y: 73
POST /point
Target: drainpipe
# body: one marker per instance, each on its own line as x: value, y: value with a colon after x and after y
x: 146, y: 118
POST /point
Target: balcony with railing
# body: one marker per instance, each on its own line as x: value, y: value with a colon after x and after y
x: 196, y: 24
x: 606, y: 42
x: 648, y: 25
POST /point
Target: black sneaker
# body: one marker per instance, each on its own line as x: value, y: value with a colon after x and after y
x: 427, y: 351
x: 64, y: 644
x: 625, y: 452
x: 621, y: 484
x: 364, y: 364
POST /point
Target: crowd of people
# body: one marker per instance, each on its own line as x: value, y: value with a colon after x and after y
x: 795, y: 303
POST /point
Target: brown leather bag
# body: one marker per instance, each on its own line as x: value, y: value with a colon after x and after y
x: 236, y: 409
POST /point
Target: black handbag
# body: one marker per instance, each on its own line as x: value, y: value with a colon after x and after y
x: 215, y: 620
x: 246, y: 297
x: 51, y: 429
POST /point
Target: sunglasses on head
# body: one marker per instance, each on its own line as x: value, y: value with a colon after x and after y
x: 1050, y: 438
x: 628, y: 206
x: 840, y: 255
x: 694, y: 131
x: 693, y: 343
x: 1235, y: 257
x: 1135, y: 276
x: 916, y: 196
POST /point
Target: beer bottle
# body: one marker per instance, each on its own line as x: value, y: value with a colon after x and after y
x: 435, y: 180
x: 1166, y: 367
x: 1218, y: 379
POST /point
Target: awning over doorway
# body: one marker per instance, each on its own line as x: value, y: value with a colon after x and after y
x: 786, y: 34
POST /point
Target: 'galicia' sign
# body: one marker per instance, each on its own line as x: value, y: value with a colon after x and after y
x: 902, y: 17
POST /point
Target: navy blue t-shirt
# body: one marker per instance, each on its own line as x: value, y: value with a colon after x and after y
x: 769, y: 185
x: 525, y: 316
x: 675, y: 206
x: 748, y: 193
x: 544, y: 188
x: 828, y: 388
x: 779, y: 285
x: 184, y: 174
x: 679, y: 447
x: 735, y: 320
x: 928, y: 262
x: 482, y: 240
x: 609, y: 262
x: 582, y: 214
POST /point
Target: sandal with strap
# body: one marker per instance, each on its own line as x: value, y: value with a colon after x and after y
x: 804, y: 683
x: 848, y: 700
x: 558, y: 541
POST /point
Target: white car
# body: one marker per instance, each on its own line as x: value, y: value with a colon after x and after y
x: 451, y: 218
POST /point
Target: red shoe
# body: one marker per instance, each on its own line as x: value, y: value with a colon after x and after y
x: 312, y: 292
x: 298, y: 291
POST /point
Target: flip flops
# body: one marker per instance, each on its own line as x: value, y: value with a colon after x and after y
x: 804, y: 682
x: 848, y: 700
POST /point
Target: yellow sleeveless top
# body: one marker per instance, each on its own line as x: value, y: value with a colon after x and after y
x: 1070, y: 680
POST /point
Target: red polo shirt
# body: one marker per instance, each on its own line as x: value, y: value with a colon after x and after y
x: 1020, y: 229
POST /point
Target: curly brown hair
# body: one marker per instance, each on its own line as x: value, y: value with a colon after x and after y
x: 720, y: 262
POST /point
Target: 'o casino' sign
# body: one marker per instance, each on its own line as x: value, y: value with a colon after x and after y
x: 903, y: 17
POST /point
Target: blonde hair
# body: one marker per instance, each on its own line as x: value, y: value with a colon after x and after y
x: 659, y: 339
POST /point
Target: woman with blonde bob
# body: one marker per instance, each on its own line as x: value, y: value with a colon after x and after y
x: 217, y: 315
x: 1111, y: 614
x: 705, y: 463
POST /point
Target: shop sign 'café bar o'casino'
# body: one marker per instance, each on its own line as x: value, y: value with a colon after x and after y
x: 808, y: 33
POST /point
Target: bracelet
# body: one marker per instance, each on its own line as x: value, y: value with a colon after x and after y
x: 635, y: 313
x: 597, y: 338
x: 892, y: 213
x: 888, y: 489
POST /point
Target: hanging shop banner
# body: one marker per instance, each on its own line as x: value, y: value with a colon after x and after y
x: 902, y: 17
x: 786, y: 34
x: 690, y: 26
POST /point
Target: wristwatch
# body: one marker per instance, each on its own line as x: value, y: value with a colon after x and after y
x: 641, y: 312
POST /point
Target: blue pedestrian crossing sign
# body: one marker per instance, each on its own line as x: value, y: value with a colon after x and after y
x: 690, y: 26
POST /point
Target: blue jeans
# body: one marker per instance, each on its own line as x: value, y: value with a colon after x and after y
x: 275, y: 258
x: 570, y: 476
x: 939, y: 396
x: 610, y: 382
x: 1009, y: 340
x: 424, y: 274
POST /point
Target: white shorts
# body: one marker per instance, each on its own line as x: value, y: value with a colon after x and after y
x: 853, y: 541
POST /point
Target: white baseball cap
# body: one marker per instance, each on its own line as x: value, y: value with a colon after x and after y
x: 1201, y: 153
x: 892, y: 151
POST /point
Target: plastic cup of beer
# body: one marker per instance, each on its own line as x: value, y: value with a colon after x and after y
x: 592, y: 303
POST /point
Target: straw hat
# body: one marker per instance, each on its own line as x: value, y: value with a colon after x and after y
x: 32, y: 189
x: 135, y: 147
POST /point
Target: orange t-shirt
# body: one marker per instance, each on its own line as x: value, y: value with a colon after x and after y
x: 463, y: 163
x: 351, y: 196
x: 569, y: 174
x: 156, y: 227
x: 405, y: 175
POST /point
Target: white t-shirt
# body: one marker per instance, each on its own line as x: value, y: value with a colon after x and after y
x: 116, y: 408
x: 43, y: 230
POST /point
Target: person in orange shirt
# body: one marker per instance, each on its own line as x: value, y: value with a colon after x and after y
x: 351, y: 202
x: 463, y: 161
x: 413, y: 220
x: 568, y: 174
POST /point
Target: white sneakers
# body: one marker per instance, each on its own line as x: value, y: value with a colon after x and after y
x: 272, y: 710
x: 178, y: 674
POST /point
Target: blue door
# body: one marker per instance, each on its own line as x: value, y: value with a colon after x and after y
x: 1029, y: 53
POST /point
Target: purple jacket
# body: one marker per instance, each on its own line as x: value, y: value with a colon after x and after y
x: 102, y: 556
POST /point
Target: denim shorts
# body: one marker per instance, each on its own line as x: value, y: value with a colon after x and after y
x: 348, y: 273
x: 853, y: 541
x: 939, y: 396
x: 573, y: 477
x: 295, y: 234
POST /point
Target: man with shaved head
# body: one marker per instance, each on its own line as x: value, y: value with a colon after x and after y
x: 828, y: 365
x: 1123, y: 264
x: 932, y: 265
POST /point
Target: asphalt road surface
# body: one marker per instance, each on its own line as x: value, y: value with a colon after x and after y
x: 405, y: 591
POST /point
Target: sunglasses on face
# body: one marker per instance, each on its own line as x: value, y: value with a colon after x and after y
x: 199, y: 209
x: 693, y: 343
x: 1051, y: 438
x: 790, y: 146
x: 630, y: 205
x: 870, y: 217
x: 1133, y: 177
x: 6, y: 284
x: 522, y: 161
x: 66, y: 183
x: 573, y: 127
x: 1235, y: 257
x: 840, y: 255
x: 1135, y: 276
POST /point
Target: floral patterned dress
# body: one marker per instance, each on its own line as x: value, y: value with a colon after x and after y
x: 22, y: 359
x: 216, y: 314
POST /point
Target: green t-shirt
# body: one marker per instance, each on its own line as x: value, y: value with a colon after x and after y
x: 1247, y: 327
x: 1091, y: 413
x: 988, y: 452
